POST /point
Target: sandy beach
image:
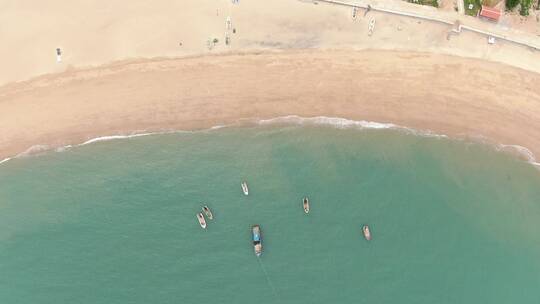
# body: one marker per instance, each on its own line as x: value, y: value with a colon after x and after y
x: 150, y: 69
x: 444, y: 94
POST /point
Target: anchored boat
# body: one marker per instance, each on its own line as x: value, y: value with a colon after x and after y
x: 207, y: 212
x: 367, y: 233
x: 305, y: 202
x: 257, y: 239
x: 245, y: 188
x: 202, y: 222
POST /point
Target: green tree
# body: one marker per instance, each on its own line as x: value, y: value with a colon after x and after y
x: 525, y: 5
x: 511, y: 4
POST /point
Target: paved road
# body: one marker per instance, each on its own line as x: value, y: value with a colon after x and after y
x: 429, y: 13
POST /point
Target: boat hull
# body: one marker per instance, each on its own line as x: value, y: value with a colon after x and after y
x: 208, y: 213
x: 367, y: 232
x: 202, y: 221
x: 305, y: 203
x: 245, y: 188
x: 257, y: 239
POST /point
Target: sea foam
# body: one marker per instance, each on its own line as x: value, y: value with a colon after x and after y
x: 33, y: 150
x: 343, y: 123
x: 113, y: 137
x: 331, y: 121
x: 521, y: 151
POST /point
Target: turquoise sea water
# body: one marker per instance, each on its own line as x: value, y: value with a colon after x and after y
x: 114, y: 222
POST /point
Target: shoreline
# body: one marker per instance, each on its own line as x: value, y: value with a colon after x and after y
x: 520, y: 152
x: 459, y: 97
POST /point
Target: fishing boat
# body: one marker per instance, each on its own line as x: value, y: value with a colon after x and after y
x: 367, y: 233
x: 202, y: 222
x: 207, y: 212
x: 305, y: 202
x: 245, y: 188
x: 257, y: 239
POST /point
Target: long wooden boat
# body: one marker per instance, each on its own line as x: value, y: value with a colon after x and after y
x: 257, y: 239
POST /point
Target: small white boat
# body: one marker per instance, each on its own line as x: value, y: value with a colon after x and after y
x: 207, y: 212
x: 367, y: 233
x: 245, y: 188
x: 305, y: 203
x: 202, y: 222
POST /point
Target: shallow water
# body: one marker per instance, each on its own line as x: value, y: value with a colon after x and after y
x: 114, y: 222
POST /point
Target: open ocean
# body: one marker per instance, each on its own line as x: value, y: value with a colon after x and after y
x: 114, y: 221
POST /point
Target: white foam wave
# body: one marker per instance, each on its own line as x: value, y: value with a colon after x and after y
x: 294, y: 119
x: 217, y: 127
x: 33, y: 150
x: 42, y: 148
x: 112, y: 137
x: 520, y: 150
x: 343, y: 123
x: 62, y: 149
x: 323, y: 120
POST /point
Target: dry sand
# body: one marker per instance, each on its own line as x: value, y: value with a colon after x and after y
x: 445, y: 94
x: 93, y: 33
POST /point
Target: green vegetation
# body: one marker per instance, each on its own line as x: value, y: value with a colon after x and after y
x: 490, y: 3
x: 433, y: 3
x: 477, y: 5
x: 525, y: 5
x: 511, y: 4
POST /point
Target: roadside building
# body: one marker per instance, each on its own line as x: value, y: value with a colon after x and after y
x: 490, y: 13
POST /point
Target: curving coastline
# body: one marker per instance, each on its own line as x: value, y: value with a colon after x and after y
x: 446, y: 95
x: 340, y: 123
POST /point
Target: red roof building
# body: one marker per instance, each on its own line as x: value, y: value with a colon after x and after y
x: 490, y: 13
